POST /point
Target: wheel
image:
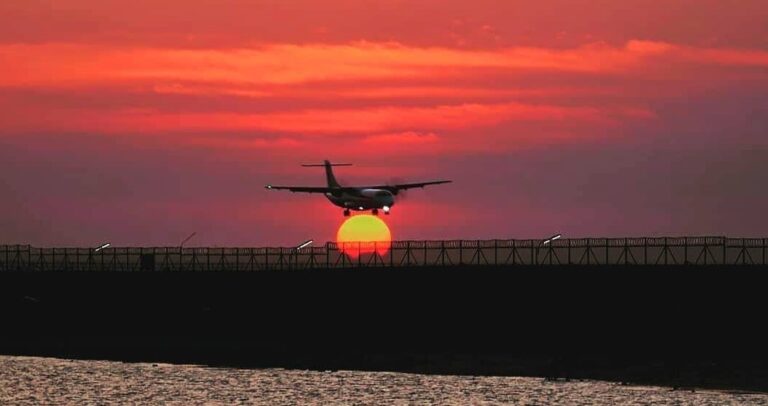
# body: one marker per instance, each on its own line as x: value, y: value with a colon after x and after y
x: 346, y: 212
x: 375, y: 212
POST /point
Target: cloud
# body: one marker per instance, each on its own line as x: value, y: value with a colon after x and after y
x: 315, y: 121
x: 408, y: 138
x: 64, y: 65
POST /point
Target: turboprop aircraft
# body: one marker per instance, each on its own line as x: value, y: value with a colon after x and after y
x: 358, y: 198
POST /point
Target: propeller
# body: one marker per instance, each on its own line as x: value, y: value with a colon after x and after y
x: 401, y: 195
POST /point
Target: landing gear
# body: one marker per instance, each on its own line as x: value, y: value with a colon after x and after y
x: 346, y: 212
x: 375, y: 212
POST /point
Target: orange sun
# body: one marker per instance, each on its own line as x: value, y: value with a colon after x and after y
x: 363, y: 234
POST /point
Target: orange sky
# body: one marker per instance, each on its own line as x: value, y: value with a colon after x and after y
x: 583, y: 117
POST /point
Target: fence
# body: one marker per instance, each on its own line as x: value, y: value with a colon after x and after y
x: 508, y: 253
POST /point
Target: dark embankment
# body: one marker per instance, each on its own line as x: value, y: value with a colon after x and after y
x: 677, y: 326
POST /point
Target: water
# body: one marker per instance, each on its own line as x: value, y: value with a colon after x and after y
x: 34, y: 381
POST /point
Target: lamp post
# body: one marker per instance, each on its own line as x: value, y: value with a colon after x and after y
x: 181, y: 245
x: 295, y: 251
x: 304, y: 244
x: 181, y: 250
x: 546, y: 242
x: 95, y: 250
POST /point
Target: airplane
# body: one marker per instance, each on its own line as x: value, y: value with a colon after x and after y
x: 358, y: 198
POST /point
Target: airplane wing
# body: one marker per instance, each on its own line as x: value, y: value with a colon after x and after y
x: 302, y: 189
x: 392, y: 188
x: 403, y: 186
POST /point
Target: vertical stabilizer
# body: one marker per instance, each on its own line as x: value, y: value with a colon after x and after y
x: 332, y: 182
x: 329, y: 175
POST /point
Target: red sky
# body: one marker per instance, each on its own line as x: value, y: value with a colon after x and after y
x: 138, y: 122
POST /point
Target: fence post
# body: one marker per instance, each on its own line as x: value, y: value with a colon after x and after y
x: 626, y: 251
x: 645, y: 251
x: 514, y: 252
x: 744, y: 251
x: 407, y: 253
x: 534, y: 260
x: 725, y: 250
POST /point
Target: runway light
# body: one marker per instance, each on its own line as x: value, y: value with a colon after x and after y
x: 550, y: 239
x: 101, y: 247
x: 361, y: 207
x: 386, y: 209
x: 269, y: 186
x: 304, y: 244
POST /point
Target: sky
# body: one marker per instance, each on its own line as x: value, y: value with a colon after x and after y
x: 139, y: 122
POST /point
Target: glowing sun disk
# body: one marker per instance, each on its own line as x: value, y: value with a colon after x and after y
x: 363, y: 234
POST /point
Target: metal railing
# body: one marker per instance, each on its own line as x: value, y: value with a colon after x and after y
x: 577, y: 251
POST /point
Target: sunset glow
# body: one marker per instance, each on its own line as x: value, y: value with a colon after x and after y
x: 632, y: 117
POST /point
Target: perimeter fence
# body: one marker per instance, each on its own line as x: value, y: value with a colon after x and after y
x: 508, y: 253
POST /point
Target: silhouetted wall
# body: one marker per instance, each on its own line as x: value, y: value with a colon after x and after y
x: 323, y: 316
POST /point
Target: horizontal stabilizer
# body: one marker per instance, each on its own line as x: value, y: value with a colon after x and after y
x: 322, y: 165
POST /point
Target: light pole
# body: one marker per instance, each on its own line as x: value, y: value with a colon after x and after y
x: 181, y: 250
x: 546, y: 242
x: 304, y: 244
x: 187, y: 239
x: 295, y: 251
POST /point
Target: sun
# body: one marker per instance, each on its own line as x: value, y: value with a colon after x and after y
x: 363, y: 234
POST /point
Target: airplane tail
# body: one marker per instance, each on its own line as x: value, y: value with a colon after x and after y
x: 328, y: 172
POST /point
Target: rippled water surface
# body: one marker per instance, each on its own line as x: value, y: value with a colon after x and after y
x: 29, y: 380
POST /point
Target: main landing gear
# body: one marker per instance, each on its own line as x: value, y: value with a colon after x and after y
x: 375, y: 212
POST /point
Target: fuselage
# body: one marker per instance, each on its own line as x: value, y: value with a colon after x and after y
x: 362, y: 199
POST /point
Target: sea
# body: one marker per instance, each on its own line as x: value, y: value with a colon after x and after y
x: 52, y: 381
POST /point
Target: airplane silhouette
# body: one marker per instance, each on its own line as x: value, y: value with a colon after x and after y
x: 358, y: 198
